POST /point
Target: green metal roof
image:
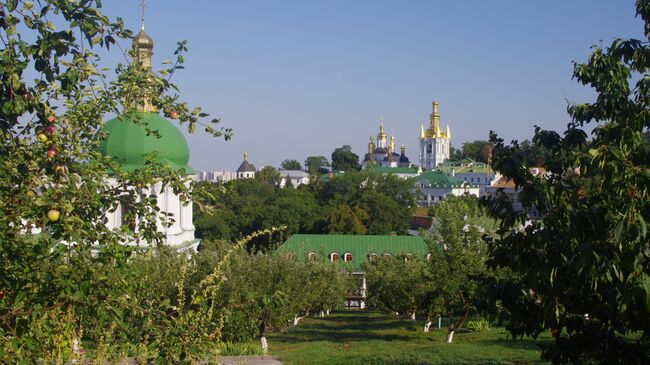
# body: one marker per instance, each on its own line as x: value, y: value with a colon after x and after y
x: 129, y: 139
x: 392, y: 170
x: 478, y: 167
x: 326, y: 177
x: 360, y: 246
x: 438, y: 179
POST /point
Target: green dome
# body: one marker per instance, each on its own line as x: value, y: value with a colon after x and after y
x: 127, y: 141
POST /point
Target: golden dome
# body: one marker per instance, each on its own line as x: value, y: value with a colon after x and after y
x: 434, y: 130
x: 382, y: 134
x: 142, y: 40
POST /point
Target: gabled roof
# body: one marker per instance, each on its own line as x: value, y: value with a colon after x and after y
x: 293, y: 173
x: 392, y: 170
x: 360, y: 246
x: 439, y: 179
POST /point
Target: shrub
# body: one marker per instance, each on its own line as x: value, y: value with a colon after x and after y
x: 478, y: 325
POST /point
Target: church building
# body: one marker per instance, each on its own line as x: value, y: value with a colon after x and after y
x: 383, y: 153
x: 127, y: 139
x: 246, y: 170
x: 434, y: 142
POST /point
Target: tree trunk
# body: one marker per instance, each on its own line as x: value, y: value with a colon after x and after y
x: 413, y: 316
x: 263, y: 342
x: 427, y: 324
x: 296, y: 319
x: 464, y: 319
x: 327, y: 312
x: 450, y: 333
x: 450, y: 336
x: 322, y: 314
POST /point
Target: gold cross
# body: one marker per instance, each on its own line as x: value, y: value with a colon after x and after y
x: 142, y: 4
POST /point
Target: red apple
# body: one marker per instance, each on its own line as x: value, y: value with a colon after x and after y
x: 173, y: 114
x: 51, y: 153
x: 27, y: 96
x: 51, y: 118
x: 53, y: 215
x: 49, y: 130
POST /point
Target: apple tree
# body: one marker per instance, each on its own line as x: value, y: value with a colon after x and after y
x: 54, y: 188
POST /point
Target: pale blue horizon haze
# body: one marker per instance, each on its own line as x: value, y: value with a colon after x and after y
x: 300, y: 78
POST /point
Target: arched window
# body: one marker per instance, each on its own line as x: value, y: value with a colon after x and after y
x: 408, y: 257
x: 386, y: 256
x: 347, y: 257
x: 334, y: 257
x: 127, y: 216
x: 373, y: 257
x: 311, y: 256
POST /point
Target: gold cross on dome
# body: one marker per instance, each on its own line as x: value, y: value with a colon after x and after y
x: 143, y: 5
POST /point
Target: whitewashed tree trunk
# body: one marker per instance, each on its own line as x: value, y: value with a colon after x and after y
x: 322, y: 314
x: 450, y: 336
x: 296, y: 319
x: 427, y: 325
x: 450, y: 333
x: 265, y: 345
x: 75, y: 346
x: 413, y: 316
x: 327, y: 312
x: 75, y: 350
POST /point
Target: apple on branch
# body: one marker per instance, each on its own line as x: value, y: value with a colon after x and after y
x: 53, y: 215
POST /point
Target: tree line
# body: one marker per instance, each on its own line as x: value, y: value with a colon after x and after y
x: 351, y: 203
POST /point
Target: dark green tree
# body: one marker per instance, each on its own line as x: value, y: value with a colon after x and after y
x: 289, y: 164
x: 317, y: 165
x: 342, y: 219
x: 476, y: 150
x: 459, y: 255
x: 583, y: 269
x: 455, y: 154
x: 269, y: 175
x: 534, y: 154
x: 343, y: 159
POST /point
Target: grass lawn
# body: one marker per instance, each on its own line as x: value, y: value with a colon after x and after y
x: 372, y: 338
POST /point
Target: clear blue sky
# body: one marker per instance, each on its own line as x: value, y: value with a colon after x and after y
x: 299, y: 78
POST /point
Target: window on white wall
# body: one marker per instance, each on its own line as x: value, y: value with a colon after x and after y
x: 127, y: 217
